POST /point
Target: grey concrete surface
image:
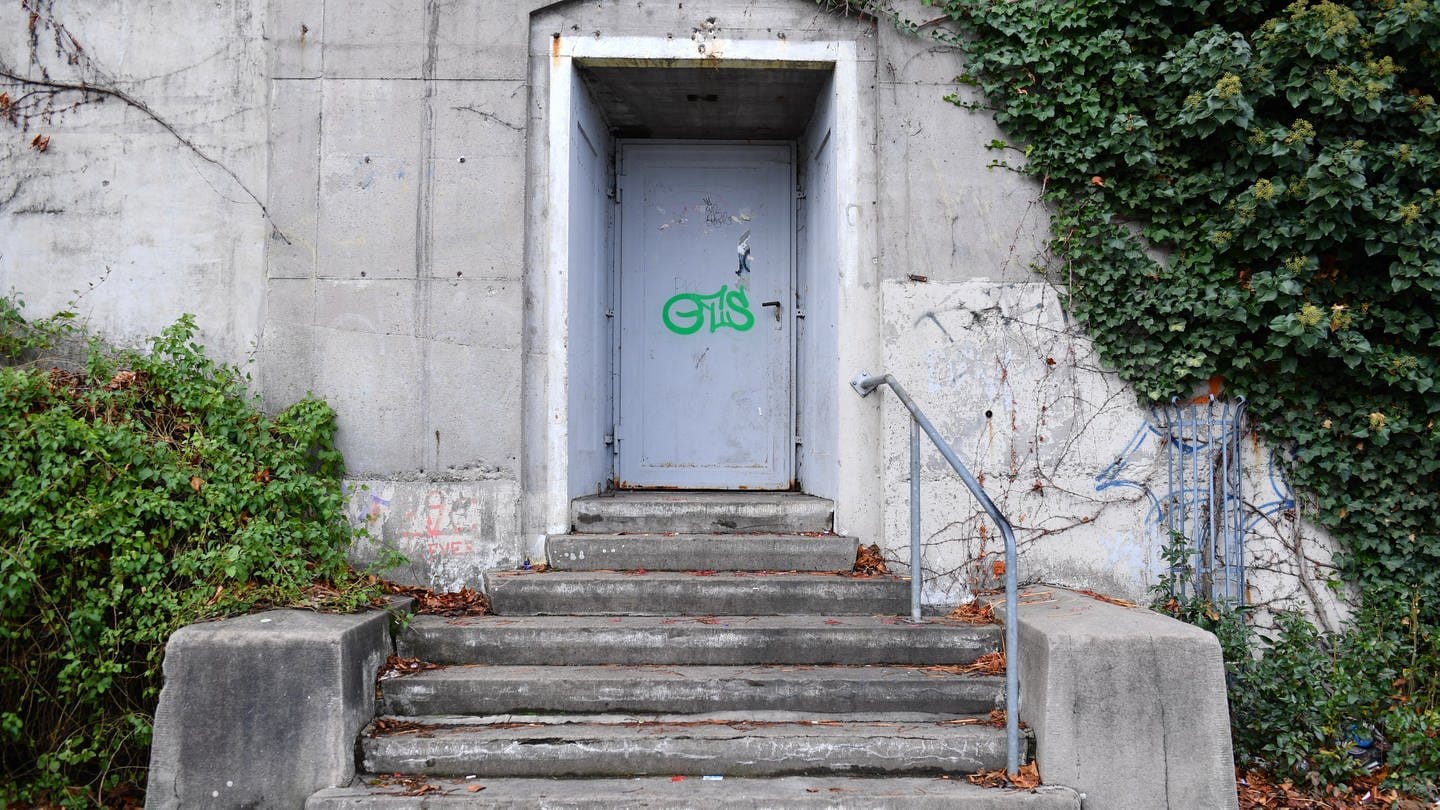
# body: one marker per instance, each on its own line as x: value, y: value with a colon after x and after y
x: 1127, y: 706
x: 564, y: 640
x: 701, y: 552
x: 822, y: 689
x: 662, y: 793
x: 679, y: 593
x: 263, y: 710
x: 698, y: 512
x: 737, y: 748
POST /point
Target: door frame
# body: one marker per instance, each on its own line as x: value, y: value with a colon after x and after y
x: 850, y: 427
x: 790, y: 407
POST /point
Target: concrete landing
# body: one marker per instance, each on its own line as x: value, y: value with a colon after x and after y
x: 740, y: 747
x: 473, y: 690
x: 669, y: 593
x: 663, y: 793
x: 700, y: 512
x: 701, y: 552
x: 719, y: 640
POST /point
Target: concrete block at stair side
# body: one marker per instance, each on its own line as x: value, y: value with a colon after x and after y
x: 263, y: 710
x: 1128, y: 706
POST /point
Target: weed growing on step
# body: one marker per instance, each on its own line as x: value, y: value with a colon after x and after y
x: 142, y: 492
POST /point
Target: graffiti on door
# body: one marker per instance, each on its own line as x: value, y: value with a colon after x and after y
x: 686, y: 313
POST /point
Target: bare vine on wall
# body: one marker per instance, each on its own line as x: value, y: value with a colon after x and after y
x: 60, y: 77
x: 1051, y: 401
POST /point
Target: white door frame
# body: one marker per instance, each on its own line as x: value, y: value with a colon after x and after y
x: 854, y: 483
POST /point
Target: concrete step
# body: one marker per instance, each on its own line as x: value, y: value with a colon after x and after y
x: 672, y: 593
x: 752, y: 746
x: 701, y: 512
x: 718, y: 640
x: 701, y: 552
x: 664, y: 793
x: 474, y: 690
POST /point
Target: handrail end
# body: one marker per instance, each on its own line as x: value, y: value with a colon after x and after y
x: 865, y: 383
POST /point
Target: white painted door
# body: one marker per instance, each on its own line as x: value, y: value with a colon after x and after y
x: 706, y: 316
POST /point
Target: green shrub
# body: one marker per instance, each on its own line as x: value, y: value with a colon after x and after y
x: 142, y: 493
x: 1318, y: 708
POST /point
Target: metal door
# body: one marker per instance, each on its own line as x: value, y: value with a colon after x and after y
x: 706, y: 292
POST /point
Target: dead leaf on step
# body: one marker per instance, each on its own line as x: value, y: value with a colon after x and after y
x: 464, y: 602
x: 1027, y: 778
x: 868, y: 561
x: 973, y: 613
x: 475, y: 788
x: 395, y: 666
x: 1110, y: 599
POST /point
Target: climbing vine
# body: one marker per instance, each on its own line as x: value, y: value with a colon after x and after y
x: 1248, y: 194
x: 1251, y: 191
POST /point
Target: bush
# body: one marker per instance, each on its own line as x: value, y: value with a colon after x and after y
x: 142, y: 493
x: 1321, y: 709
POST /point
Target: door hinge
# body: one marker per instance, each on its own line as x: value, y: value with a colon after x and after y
x: 610, y: 438
x: 798, y: 441
x: 614, y: 194
x: 609, y: 313
x: 799, y: 195
x: 800, y: 313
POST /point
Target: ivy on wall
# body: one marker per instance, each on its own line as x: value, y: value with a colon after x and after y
x: 1251, y: 191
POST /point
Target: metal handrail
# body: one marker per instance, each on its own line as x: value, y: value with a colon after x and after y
x: 865, y: 383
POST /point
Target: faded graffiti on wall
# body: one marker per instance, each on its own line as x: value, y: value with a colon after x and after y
x: 450, y: 532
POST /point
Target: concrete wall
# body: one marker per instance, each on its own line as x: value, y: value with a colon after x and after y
x: 144, y: 205
x: 354, y: 195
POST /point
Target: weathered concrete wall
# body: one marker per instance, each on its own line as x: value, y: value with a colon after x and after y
x: 398, y: 269
x: 450, y: 531
x: 144, y: 204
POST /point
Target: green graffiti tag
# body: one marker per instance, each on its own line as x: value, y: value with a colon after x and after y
x: 685, y: 313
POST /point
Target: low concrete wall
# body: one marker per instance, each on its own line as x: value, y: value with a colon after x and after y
x: 1127, y: 706
x: 264, y: 710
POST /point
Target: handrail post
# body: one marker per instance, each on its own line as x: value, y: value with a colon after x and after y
x: 916, y: 576
x: 864, y: 384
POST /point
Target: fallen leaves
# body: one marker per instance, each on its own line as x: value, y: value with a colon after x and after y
x: 1260, y: 791
x: 991, y: 663
x: 392, y: 727
x: 1103, y: 598
x: 464, y: 602
x: 972, y: 613
x: 868, y: 561
x: 395, y: 666
x: 419, y: 785
x: 1026, y: 778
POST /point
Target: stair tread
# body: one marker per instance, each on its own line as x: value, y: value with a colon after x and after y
x: 779, y: 720
x: 687, y: 551
x: 816, y: 622
x: 663, y: 792
x: 671, y: 593
x: 714, y: 640
x: 734, y: 747
x: 828, y: 689
x: 684, y: 511
x: 701, y: 673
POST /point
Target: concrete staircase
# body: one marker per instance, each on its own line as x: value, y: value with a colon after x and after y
x: 689, y: 650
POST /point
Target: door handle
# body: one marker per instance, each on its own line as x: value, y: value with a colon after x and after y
x: 776, y: 305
